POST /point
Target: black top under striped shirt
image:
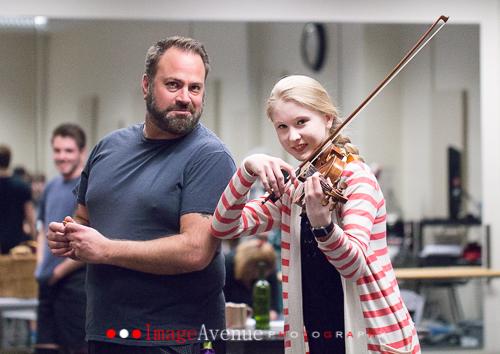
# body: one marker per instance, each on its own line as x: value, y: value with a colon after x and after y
x: 322, y: 297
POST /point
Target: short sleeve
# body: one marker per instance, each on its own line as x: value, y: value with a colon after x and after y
x: 26, y: 192
x: 205, y: 180
x: 41, y: 205
x: 81, y: 188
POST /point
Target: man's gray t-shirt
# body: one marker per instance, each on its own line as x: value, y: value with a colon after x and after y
x: 57, y: 202
x: 137, y: 189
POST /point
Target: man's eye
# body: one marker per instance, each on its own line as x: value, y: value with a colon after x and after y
x: 172, y: 85
x: 196, y: 88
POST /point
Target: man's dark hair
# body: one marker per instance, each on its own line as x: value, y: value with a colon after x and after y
x: 5, y: 156
x: 72, y: 131
x: 183, y: 43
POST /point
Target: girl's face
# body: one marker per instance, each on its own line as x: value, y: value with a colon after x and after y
x: 299, y: 129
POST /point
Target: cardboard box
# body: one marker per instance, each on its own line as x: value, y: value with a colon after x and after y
x: 17, y: 276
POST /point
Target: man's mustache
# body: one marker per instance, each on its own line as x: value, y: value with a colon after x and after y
x: 178, y: 107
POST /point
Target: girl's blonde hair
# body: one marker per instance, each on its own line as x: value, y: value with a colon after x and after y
x: 309, y: 93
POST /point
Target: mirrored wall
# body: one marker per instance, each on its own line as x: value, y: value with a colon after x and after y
x: 89, y: 71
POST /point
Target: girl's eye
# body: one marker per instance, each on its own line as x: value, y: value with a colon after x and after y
x: 301, y: 122
x: 281, y: 126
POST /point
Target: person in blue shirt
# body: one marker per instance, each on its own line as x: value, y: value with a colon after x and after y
x: 142, y: 225
x: 61, y: 296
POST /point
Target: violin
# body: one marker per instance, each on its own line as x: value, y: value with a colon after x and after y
x: 330, y: 164
x: 330, y: 160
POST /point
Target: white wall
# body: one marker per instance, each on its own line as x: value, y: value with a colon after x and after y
x: 452, y: 54
x: 99, y: 63
x: 383, y: 117
x: 228, y: 48
x: 17, y: 97
x: 407, y: 128
x: 102, y: 62
x: 276, y: 54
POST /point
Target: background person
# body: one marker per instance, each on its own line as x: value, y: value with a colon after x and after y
x: 17, y: 216
x: 61, y: 295
x: 242, y: 273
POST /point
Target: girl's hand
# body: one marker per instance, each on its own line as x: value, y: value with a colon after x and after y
x: 270, y: 171
x: 317, y: 214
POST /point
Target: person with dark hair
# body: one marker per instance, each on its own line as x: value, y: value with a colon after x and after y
x: 75, y: 133
x: 21, y: 173
x: 5, y: 156
x: 38, y: 182
x: 16, y: 207
x: 145, y: 201
x: 61, y: 295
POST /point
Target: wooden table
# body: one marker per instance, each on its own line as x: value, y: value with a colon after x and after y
x: 435, y: 273
x: 446, y: 277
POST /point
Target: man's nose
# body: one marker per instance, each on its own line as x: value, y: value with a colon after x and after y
x: 183, y: 95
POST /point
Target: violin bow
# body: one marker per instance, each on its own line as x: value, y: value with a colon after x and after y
x: 417, y: 47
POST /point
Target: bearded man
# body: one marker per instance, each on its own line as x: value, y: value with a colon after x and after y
x: 142, y: 224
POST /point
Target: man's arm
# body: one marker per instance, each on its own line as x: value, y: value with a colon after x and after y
x: 81, y: 215
x: 40, y: 244
x: 191, y: 250
x: 29, y: 219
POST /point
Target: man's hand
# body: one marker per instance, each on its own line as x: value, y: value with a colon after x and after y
x: 88, y: 244
x: 57, y: 240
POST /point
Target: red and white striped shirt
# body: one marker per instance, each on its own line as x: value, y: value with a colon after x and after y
x: 376, y: 319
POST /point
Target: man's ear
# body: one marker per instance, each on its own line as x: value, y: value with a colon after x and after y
x: 145, y: 85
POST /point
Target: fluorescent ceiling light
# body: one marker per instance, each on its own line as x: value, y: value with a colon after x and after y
x: 38, y: 22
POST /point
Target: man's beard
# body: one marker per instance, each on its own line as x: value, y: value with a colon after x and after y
x: 70, y: 172
x: 177, y: 124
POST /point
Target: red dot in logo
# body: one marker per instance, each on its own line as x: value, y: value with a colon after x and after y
x: 136, y: 333
x: 111, y: 333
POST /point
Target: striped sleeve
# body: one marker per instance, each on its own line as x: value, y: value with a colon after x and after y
x: 235, y: 216
x: 347, y: 246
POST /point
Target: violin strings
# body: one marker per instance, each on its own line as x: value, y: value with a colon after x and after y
x: 324, y: 184
x: 311, y: 170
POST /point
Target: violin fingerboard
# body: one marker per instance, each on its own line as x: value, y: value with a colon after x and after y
x: 307, y: 171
